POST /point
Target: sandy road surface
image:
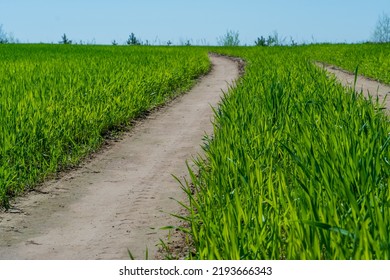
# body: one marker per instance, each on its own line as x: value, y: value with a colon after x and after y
x: 368, y: 86
x: 121, y: 198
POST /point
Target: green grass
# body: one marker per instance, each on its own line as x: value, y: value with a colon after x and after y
x: 57, y: 102
x: 298, y: 167
x: 372, y: 60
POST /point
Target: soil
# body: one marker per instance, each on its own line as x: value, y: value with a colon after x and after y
x: 120, y: 199
x: 366, y: 85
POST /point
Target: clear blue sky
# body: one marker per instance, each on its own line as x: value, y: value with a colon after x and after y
x: 102, y: 21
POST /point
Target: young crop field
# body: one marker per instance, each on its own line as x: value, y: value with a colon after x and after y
x: 298, y: 167
x: 371, y: 60
x: 58, y: 102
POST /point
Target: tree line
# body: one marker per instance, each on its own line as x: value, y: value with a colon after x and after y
x: 381, y: 34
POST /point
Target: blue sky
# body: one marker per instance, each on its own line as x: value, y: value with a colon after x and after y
x: 102, y: 21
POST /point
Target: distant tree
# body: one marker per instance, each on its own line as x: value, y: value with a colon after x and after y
x: 7, y: 38
x: 272, y: 40
x: 261, y: 42
x: 293, y: 43
x: 132, y: 41
x: 65, y: 40
x: 3, y: 36
x: 230, y: 39
x: 169, y: 43
x: 382, y: 29
x: 114, y: 43
x: 186, y: 42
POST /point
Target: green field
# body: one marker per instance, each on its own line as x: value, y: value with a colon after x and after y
x: 298, y: 166
x: 58, y: 102
x: 372, y: 60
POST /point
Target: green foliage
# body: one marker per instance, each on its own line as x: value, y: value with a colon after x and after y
x: 261, y: 42
x: 372, y: 59
x: 298, y: 167
x: 230, y: 39
x: 57, y: 102
x: 133, y: 40
x: 272, y: 40
x: 65, y: 40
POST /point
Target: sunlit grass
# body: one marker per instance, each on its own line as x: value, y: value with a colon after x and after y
x: 373, y: 60
x: 57, y: 102
x: 298, y: 167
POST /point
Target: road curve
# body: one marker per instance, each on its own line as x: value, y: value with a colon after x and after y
x: 121, y: 198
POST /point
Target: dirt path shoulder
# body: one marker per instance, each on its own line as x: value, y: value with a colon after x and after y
x: 366, y: 85
x: 122, y: 198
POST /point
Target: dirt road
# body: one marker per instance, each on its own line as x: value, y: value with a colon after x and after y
x: 122, y: 198
x: 368, y: 86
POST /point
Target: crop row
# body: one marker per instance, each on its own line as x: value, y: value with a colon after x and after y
x: 298, y: 167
